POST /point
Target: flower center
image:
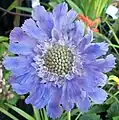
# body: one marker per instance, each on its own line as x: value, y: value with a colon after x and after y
x: 59, y: 60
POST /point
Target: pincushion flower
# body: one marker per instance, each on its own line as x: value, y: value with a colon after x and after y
x: 57, y: 62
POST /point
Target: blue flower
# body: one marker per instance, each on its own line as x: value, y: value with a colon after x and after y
x: 57, y: 62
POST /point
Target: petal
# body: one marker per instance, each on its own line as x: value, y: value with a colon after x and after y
x: 76, y: 32
x: 71, y: 14
x: 33, y: 31
x: 66, y: 101
x: 105, y: 65
x: 22, y: 84
x: 18, y: 65
x: 22, y: 49
x: 99, y: 96
x: 71, y: 92
x: 16, y: 62
x: 86, y: 83
x: 54, y: 109
x: 40, y: 96
x: 18, y: 36
x: 96, y: 77
x: 60, y: 10
x: 85, y: 40
x: 83, y: 104
x: 96, y: 49
x: 44, y: 19
x: 21, y: 71
x: 60, y: 16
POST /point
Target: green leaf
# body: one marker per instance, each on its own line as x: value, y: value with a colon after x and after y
x: 21, y: 112
x: 36, y: 113
x: 90, y: 117
x: 98, y: 109
x: 74, y: 6
x: 8, y: 114
x: 116, y: 118
x: 14, y: 3
x: 113, y: 111
x: 2, y: 49
x: 52, y: 3
x: 3, y: 38
x: 14, y: 100
x: 26, y: 9
x: 60, y: 1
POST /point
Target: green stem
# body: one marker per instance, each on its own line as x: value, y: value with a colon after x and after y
x: 116, y: 38
x: 45, y: 115
x: 69, y: 115
x: 78, y: 116
x: 36, y: 114
x: 8, y: 114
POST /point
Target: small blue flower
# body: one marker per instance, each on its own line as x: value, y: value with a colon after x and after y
x: 57, y: 63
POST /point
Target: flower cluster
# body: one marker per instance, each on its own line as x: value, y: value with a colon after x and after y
x: 57, y: 62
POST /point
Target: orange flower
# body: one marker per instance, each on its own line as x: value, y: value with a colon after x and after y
x: 92, y: 24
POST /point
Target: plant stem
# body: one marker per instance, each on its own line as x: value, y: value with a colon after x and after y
x: 78, y: 116
x: 36, y: 114
x: 45, y: 115
x: 8, y: 114
x: 69, y: 115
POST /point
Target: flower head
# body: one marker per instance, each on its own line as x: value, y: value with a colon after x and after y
x: 56, y: 62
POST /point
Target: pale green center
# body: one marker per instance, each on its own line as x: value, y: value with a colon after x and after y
x: 59, y: 60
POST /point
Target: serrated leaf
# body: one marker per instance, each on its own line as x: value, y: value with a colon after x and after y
x: 113, y: 111
x: 90, y: 117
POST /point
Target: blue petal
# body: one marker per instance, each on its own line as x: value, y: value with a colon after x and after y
x: 99, y: 96
x: 85, y: 40
x: 86, y: 83
x: 96, y: 77
x: 60, y: 10
x: 76, y: 32
x: 17, y: 35
x: 54, y: 109
x: 60, y: 16
x: 105, y: 65
x: 22, y: 49
x: 71, y: 14
x: 96, y: 49
x: 83, y: 104
x: 16, y: 62
x: 33, y: 31
x: 71, y: 92
x: 44, y: 19
x: 22, y: 84
x: 66, y: 101
x: 18, y: 65
x: 40, y: 96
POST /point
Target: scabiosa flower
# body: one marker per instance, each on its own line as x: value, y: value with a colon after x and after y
x: 56, y: 61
